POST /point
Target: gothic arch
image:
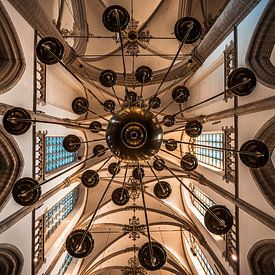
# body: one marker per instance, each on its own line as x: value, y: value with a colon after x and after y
x: 261, y: 46
x: 11, y: 259
x: 12, y: 61
x: 11, y: 165
x: 261, y: 257
x: 265, y: 176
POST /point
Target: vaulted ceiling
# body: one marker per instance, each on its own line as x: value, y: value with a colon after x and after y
x: 97, y: 50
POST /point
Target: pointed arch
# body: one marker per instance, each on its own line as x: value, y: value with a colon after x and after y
x: 11, y: 165
x: 11, y: 259
x: 12, y: 61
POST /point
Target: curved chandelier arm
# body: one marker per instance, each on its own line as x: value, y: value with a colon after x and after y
x: 98, y: 205
x: 141, y: 89
x: 159, y: 182
x: 117, y: 98
x: 173, y: 62
x: 221, y: 222
x: 257, y: 154
x: 146, y: 216
x: 122, y: 50
x: 63, y: 172
x: 87, y: 141
x: 169, y: 104
x: 45, y: 121
x: 213, y: 97
x: 124, y: 181
x: 93, y: 112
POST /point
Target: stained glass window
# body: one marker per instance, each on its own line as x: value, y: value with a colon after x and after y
x: 210, y: 156
x: 60, y: 211
x: 56, y: 155
x: 65, y: 264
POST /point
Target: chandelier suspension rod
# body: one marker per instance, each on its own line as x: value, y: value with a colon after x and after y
x: 146, y: 216
x: 220, y: 148
x: 87, y: 141
x: 98, y: 115
x: 141, y: 89
x: 195, y: 196
x: 117, y: 98
x: 72, y: 73
x: 97, y: 207
x: 63, y: 172
x: 172, y: 64
x: 163, y: 109
x: 213, y: 97
x: 122, y: 51
x: 103, y: 164
x: 91, y: 36
x: 47, y: 122
x: 181, y: 56
x: 102, y: 91
x: 167, y: 152
x: 124, y: 181
x: 161, y: 186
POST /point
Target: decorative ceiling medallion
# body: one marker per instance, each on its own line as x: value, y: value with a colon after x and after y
x: 132, y: 35
x: 134, y: 229
x: 133, y: 267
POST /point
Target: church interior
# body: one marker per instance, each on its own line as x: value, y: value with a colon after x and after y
x: 137, y: 137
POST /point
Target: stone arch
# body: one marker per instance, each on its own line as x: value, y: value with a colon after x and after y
x: 11, y: 165
x: 261, y: 46
x: 261, y: 257
x: 12, y: 61
x: 265, y: 176
x: 11, y: 259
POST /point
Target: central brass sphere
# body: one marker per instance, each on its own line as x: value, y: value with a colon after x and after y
x: 134, y: 134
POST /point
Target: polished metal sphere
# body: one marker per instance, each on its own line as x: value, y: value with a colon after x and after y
x: 134, y: 134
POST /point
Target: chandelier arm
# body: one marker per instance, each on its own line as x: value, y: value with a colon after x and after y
x: 87, y: 141
x: 172, y: 64
x: 220, y: 148
x: 141, y: 89
x: 93, y: 112
x: 63, y: 172
x: 45, y: 121
x: 159, y: 182
x: 117, y: 98
x: 97, y: 207
x: 146, y: 216
x: 213, y: 97
x: 221, y: 222
x: 124, y: 181
x: 163, y: 109
x: 122, y: 50
x: 103, y: 164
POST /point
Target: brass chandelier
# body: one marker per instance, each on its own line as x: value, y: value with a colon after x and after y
x: 134, y: 135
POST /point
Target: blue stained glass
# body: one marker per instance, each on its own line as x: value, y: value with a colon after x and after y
x: 56, y: 156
